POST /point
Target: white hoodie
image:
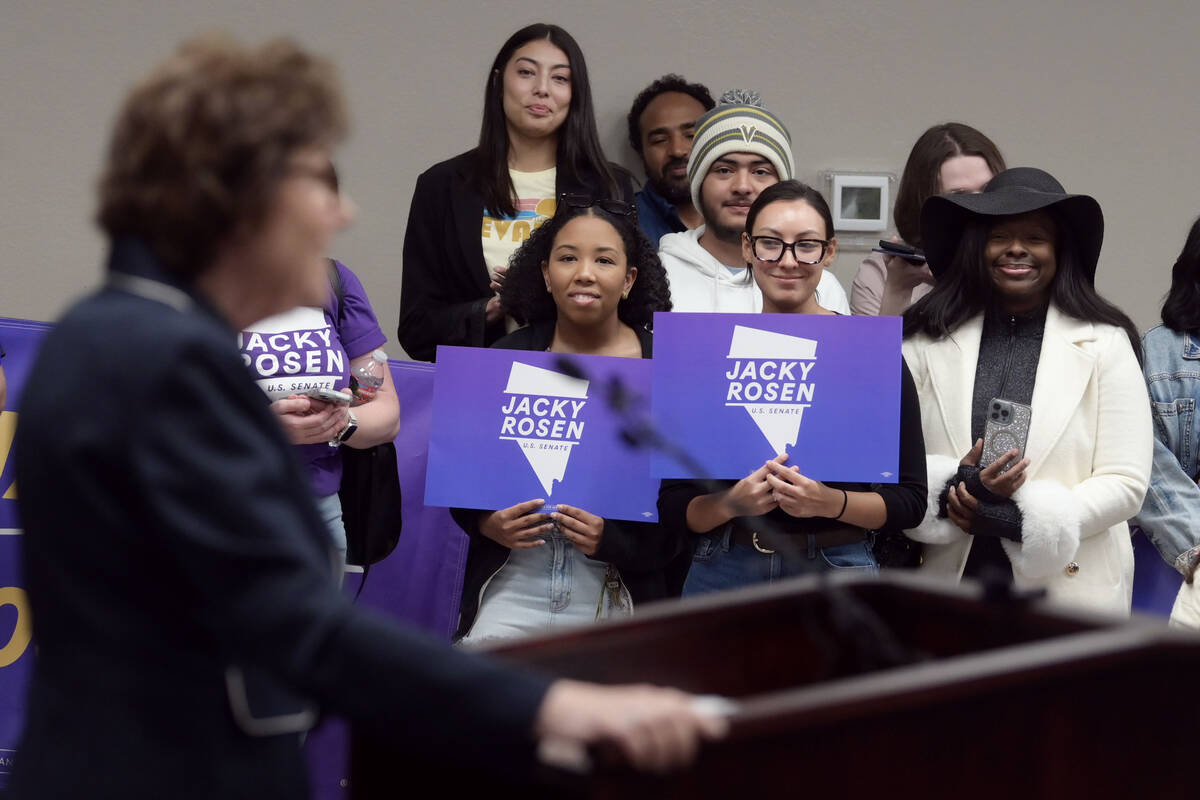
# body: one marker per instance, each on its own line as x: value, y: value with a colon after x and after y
x: 701, y: 283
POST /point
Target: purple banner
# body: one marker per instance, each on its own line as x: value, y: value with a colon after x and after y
x: 21, y: 341
x: 733, y: 390
x: 510, y: 426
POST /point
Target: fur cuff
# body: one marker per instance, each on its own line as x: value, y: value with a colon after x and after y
x: 1049, y: 529
x: 933, y: 530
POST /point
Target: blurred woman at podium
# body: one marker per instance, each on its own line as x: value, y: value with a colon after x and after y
x: 187, y: 622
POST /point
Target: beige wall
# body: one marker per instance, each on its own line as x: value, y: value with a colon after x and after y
x: 1099, y: 92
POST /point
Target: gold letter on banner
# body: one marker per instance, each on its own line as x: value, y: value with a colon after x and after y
x: 8, y: 428
x: 22, y: 631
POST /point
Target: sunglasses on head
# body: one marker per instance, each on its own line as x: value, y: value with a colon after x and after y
x: 617, y: 207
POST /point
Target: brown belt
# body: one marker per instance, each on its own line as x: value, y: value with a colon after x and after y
x: 768, y: 542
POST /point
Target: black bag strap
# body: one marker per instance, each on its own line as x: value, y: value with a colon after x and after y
x: 339, y: 294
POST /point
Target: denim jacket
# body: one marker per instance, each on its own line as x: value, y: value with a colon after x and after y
x: 1170, y: 515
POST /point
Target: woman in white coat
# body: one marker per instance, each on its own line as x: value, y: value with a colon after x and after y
x: 1014, y: 316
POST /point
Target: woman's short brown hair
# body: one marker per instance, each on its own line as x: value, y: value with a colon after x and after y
x: 922, y: 173
x: 200, y: 144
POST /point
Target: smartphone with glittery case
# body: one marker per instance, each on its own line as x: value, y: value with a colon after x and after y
x: 1006, y: 427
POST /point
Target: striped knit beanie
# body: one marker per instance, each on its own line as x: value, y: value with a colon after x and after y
x: 738, y: 124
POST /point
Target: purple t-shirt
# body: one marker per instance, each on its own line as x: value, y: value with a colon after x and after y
x: 311, y: 348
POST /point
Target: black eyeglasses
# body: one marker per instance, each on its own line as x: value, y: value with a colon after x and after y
x: 772, y: 248
x: 618, y: 207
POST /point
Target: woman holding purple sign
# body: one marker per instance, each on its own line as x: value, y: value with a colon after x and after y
x: 589, y: 282
x: 776, y: 522
x: 1034, y: 407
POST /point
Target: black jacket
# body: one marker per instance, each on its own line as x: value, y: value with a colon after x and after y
x: 649, y: 557
x: 172, y: 548
x: 445, y: 286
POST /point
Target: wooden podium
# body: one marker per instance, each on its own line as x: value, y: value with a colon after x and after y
x: 848, y: 686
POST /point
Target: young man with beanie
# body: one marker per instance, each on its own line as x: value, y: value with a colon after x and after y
x: 738, y: 150
x: 661, y: 123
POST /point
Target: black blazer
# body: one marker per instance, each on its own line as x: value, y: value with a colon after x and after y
x: 445, y: 286
x: 180, y: 576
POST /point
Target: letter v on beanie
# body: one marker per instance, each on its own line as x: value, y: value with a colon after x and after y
x: 738, y: 124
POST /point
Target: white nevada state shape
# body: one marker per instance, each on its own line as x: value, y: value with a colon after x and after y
x: 780, y: 429
x: 548, y: 464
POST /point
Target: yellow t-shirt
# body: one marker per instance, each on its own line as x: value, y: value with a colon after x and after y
x: 535, y: 204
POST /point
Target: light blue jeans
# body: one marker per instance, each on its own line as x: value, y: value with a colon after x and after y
x: 719, y: 564
x: 330, y: 508
x: 545, y: 587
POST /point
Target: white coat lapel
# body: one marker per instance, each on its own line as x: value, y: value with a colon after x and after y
x: 1063, y: 372
x: 952, y: 363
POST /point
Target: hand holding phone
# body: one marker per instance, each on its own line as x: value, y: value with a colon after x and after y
x: 1006, y: 428
x: 329, y: 396
x: 901, y: 250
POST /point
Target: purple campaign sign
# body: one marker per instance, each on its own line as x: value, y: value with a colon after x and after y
x: 510, y: 426
x: 733, y: 390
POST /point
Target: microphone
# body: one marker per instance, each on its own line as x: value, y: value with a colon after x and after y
x: 618, y: 397
x: 570, y: 367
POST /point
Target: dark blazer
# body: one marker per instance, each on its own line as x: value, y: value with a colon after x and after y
x: 187, y: 618
x: 445, y: 285
x: 651, y: 558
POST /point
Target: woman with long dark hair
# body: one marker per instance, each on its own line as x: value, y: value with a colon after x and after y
x: 1014, y: 321
x: 776, y: 522
x: 538, y: 140
x: 1172, y: 367
x: 589, y: 282
x: 950, y: 158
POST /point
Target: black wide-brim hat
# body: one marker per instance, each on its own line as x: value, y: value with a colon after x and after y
x: 1015, y: 191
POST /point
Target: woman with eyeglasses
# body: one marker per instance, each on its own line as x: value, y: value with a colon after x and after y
x: 589, y: 282
x: 950, y: 158
x: 777, y: 522
x: 470, y: 214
